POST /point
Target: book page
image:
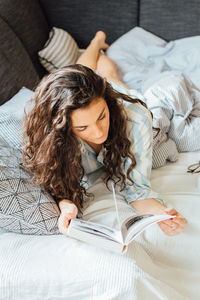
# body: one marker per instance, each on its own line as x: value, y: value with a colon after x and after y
x: 104, y: 217
x: 108, y: 214
x: 96, y: 240
x: 136, y: 225
x: 133, y: 220
x: 97, y: 229
x: 116, y: 207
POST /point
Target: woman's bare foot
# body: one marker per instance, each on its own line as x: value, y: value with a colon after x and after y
x: 91, y: 54
x: 99, y: 40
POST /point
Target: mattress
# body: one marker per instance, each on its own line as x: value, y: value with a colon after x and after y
x: 156, y: 266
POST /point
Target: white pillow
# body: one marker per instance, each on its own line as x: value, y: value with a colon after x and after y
x: 12, y: 117
x: 60, y: 50
x: 134, y: 54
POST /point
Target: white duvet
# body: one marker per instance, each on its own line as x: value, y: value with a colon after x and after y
x: 155, y: 267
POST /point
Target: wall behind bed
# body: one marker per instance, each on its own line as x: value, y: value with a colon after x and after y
x: 25, y: 25
x: 170, y: 19
x: 23, y: 32
x: 83, y: 18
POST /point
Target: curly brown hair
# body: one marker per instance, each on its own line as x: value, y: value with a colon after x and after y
x: 52, y: 152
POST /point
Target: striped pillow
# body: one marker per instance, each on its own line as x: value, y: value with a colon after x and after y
x: 60, y: 50
x: 12, y: 117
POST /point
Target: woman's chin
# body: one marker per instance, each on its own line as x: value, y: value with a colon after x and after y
x: 101, y: 140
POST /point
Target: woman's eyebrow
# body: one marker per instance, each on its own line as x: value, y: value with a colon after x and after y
x: 80, y: 126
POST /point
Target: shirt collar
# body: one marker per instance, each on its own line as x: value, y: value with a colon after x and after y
x: 86, y: 148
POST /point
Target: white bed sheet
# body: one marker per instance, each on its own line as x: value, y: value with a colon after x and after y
x: 155, y: 266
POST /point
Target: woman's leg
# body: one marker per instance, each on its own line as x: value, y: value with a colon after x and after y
x: 95, y: 60
x: 90, y: 56
x: 107, y: 69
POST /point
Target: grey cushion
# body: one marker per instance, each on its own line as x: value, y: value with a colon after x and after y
x: 83, y: 18
x: 170, y: 19
x: 16, y: 67
x: 12, y: 117
x: 26, y: 19
x: 24, y: 208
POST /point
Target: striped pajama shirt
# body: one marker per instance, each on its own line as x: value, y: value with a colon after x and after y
x: 139, y: 126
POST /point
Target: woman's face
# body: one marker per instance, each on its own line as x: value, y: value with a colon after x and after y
x: 91, y: 123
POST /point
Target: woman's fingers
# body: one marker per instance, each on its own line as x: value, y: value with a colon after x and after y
x: 166, y: 229
x: 176, y: 221
x: 179, y: 218
x: 170, y: 230
x: 63, y: 223
x: 172, y: 225
x: 65, y: 218
x: 175, y: 225
x: 170, y: 211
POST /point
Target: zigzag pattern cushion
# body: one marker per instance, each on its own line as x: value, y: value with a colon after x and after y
x: 60, y: 50
x: 24, y: 208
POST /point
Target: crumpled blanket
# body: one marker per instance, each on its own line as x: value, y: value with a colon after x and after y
x: 175, y: 103
x: 162, y: 72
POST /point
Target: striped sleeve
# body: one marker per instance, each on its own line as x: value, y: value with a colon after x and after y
x: 140, y: 134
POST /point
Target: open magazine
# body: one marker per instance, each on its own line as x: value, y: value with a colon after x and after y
x: 113, y: 239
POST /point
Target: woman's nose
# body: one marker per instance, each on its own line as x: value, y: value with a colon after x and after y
x: 97, y: 132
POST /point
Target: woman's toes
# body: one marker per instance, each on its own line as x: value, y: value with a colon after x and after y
x: 100, y: 35
x: 100, y: 38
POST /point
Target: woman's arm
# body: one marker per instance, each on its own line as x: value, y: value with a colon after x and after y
x: 64, y: 203
x: 152, y: 206
x: 140, y: 195
x: 148, y: 206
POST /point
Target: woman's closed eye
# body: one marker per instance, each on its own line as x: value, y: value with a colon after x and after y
x: 84, y: 127
x: 81, y: 128
x: 101, y: 117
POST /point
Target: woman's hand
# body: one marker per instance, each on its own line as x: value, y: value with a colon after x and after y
x: 175, y: 225
x: 151, y: 206
x: 68, y: 211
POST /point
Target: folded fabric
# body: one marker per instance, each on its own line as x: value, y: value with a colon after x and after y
x: 175, y: 103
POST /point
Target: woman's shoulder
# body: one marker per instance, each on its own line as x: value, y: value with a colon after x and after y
x: 127, y: 91
x: 136, y: 112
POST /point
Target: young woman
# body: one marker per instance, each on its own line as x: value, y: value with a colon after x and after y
x: 80, y: 129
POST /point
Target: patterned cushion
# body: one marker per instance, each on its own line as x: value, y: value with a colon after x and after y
x: 60, y: 50
x: 24, y: 208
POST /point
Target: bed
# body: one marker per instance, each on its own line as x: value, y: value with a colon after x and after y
x: 155, y: 266
x: 36, y: 262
